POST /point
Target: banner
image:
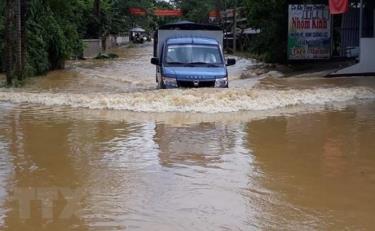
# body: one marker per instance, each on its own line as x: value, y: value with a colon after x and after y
x: 137, y: 11
x: 170, y: 13
x: 214, y: 16
x: 338, y: 6
x: 309, y: 32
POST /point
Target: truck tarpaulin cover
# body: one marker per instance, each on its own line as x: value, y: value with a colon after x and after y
x: 338, y: 6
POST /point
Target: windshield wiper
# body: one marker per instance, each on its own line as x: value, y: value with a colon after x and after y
x: 193, y: 64
x: 176, y: 63
x: 203, y: 63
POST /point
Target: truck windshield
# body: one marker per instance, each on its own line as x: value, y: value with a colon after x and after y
x: 193, y: 54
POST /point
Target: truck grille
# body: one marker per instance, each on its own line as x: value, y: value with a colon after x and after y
x: 190, y: 84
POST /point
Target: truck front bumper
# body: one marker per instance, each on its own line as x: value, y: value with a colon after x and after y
x: 194, y: 83
x: 218, y: 83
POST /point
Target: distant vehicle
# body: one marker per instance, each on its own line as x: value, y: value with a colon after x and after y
x: 138, y: 35
x: 190, y: 55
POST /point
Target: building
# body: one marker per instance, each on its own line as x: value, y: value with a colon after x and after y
x: 353, y: 45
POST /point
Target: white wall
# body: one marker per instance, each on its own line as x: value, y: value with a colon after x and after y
x: 367, y: 57
x: 92, y: 47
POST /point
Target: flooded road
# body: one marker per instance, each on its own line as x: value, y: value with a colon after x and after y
x: 96, y: 147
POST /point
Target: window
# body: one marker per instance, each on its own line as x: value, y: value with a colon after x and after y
x: 193, y: 54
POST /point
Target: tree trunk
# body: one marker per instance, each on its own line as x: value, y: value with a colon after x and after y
x: 18, y: 39
x: 9, y: 23
x: 97, y: 8
x: 96, y: 13
x: 104, y: 43
x: 24, y: 7
x: 235, y: 27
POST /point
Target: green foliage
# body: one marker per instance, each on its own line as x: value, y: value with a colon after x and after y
x: 271, y: 17
x: 55, y: 27
x: 147, y: 22
x: 196, y: 10
x: 52, y: 37
x: 52, y: 33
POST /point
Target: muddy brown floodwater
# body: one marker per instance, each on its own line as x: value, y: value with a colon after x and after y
x: 96, y: 147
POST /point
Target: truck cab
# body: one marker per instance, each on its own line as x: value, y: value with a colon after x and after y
x: 190, y: 55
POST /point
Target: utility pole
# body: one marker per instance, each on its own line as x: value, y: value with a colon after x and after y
x: 360, y: 25
x: 361, y: 19
x: 235, y: 27
x: 225, y: 25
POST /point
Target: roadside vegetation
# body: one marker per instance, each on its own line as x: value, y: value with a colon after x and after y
x: 44, y: 33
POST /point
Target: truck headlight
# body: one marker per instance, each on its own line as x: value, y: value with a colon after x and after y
x: 222, y: 82
x: 170, y: 82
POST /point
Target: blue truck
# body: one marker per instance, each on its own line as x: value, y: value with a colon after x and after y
x: 187, y: 55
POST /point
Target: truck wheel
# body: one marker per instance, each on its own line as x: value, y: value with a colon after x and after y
x: 161, y: 84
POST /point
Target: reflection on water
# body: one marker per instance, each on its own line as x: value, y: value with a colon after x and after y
x: 5, y: 167
x: 310, y: 171
x: 322, y: 165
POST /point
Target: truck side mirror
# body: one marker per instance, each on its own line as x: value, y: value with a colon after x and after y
x: 231, y: 62
x: 155, y: 61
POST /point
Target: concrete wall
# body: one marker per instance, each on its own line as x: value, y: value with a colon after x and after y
x: 367, y: 57
x: 121, y: 40
x: 92, y: 47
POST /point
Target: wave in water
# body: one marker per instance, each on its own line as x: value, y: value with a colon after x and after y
x: 194, y: 100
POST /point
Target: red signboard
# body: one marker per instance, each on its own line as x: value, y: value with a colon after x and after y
x: 137, y: 11
x: 338, y: 6
x: 168, y: 13
x: 214, y: 14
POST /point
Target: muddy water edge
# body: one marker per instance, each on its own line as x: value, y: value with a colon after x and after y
x: 300, y: 155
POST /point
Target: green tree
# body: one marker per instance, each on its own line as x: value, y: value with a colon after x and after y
x: 271, y: 17
x: 52, y: 30
x: 52, y: 34
x: 196, y: 10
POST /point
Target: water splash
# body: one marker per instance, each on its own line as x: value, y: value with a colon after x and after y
x: 194, y: 100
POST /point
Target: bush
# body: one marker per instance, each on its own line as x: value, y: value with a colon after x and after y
x: 271, y: 17
x: 51, y: 40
